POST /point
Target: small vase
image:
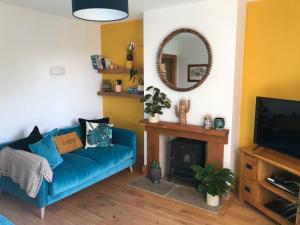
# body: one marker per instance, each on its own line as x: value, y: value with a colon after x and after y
x: 219, y: 123
x: 155, y: 175
x: 154, y: 119
x: 212, y: 200
x: 129, y: 64
x: 118, y: 86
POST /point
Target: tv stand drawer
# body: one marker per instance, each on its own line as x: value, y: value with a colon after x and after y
x: 250, y: 167
x: 249, y: 190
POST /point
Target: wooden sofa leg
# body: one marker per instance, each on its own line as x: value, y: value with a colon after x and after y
x: 43, y: 213
x: 131, y: 169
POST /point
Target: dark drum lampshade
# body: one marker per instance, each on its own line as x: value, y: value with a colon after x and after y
x: 100, y: 10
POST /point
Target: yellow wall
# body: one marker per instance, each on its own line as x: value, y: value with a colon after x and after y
x: 272, y: 57
x: 123, y: 112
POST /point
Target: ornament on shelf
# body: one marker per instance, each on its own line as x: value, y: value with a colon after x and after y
x: 184, y: 108
x: 106, y: 86
x: 207, y: 122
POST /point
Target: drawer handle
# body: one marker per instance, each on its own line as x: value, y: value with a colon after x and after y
x: 247, y: 189
x: 248, y: 166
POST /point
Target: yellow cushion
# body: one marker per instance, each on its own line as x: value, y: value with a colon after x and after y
x: 67, y: 143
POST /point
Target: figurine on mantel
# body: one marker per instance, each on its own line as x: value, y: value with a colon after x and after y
x: 184, y: 108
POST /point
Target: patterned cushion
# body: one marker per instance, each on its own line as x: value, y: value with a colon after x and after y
x: 82, y: 123
x: 98, y: 135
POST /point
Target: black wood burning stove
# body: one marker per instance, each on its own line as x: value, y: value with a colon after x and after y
x: 186, y: 153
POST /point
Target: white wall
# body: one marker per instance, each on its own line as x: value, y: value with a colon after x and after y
x: 217, y: 21
x: 30, y: 43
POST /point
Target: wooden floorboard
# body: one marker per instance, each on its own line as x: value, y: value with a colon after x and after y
x: 112, y: 201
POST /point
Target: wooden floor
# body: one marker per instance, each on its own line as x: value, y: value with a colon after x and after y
x: 114, y: 202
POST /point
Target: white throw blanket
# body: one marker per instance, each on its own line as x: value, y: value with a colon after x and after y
x: 25, y: 169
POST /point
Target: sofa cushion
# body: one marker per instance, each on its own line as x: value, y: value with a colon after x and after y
x: 74, y: 171
x: 82, y: 123
x: 47, y: 149
x: 67, y: 143
x: 67, y: 130
x: 98, y: 135
x: 23, y: 144
x: 107, y: 157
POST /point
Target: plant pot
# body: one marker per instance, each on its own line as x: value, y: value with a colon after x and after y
x: 129, y: 57
x: 155, y: 175
x: 212, y: 200
x: 140, y: 88
x: 129, y: 64
x: 154, y: 119
x: 219, y: 123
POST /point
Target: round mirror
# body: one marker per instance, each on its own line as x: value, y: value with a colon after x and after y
x: 184, y: 60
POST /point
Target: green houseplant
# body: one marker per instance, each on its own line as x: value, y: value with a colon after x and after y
x: 130, y: 51
x: 214, y: 182
x: 133, y: 76
x: 130, y: 54
x: 155, y: 103
x: 155, y: 172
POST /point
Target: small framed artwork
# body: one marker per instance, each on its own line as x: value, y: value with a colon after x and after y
x: 196, y: 72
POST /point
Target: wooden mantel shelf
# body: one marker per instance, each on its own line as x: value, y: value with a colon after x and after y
x: 220, y: 136
x: 216, y: 139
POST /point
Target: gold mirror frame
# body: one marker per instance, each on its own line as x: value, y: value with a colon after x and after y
x: 160, y: 53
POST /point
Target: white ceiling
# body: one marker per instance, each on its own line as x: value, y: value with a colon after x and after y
x: 64, y: 7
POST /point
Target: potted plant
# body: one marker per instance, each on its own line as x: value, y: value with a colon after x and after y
x: 214, y: 182
x: 133, y: 75
x: 155, y: 103
x: 130, y: 54
x: 155, y: 172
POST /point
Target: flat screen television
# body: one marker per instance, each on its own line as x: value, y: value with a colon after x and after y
x: 277, y: 125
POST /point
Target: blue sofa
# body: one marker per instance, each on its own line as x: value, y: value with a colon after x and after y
x: 80, y: 169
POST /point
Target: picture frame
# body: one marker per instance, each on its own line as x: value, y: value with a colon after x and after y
x: 196, y: 72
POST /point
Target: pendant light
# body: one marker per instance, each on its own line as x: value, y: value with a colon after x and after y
x: 100, y: 10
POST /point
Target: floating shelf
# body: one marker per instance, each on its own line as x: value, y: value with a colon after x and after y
x: 124, y: 71
x: 121, y: 94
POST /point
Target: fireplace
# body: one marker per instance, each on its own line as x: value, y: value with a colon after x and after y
x: 215, y: 140
x: 185, y: 153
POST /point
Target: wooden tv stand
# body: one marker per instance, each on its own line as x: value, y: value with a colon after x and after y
x: 255, y: 166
